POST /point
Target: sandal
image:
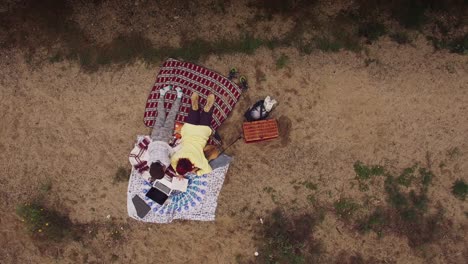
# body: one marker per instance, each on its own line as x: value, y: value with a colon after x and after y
x: 233, y: 73
x: 243, y: 83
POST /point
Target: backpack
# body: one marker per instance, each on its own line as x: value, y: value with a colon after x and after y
x: 256, y: 112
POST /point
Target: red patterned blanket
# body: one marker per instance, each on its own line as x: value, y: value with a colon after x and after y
x: 192, y: 78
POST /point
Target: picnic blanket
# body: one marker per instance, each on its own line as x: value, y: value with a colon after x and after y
x: 192, y: 78
x: 199, y: 202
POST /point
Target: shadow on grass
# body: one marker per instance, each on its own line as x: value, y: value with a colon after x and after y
x: 47, y: 224
x: 48, y: 24
x: 288, y: 239
x: 406, y: 212
x: 126, y: 49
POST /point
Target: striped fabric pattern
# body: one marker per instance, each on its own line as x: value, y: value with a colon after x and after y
x: 192, y: 78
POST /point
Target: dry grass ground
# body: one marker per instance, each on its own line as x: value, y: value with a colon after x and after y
x: 352, y: 86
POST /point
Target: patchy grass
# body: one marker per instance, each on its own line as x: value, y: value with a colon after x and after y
x: 460, y: 189
x: 374, y: 222
x: 407, y: 176
x: 287, y: 239
x: 356, y: 258
x: 309, y: 185
x: 327, y: 44
x: 128, y: 48
x: 336, y: 41
x: 282, y: 61
x: 372, y: 30
x: 272, y: 192
x: 400, y: 37
x: 345, y: 208
x: 282, y: 6
x: 454, y: 153
x: 406, y: 212
x: 311, y: 199
x: 121, y: 175
x: 364, y: 172
x: 51, y: 24
x: 46, y: 224
x: 410, y: 13
x: 426, y: 177
x: 115, y: 232
x: 394, y: 196
x: 45, y: 186
x: 459, y: 45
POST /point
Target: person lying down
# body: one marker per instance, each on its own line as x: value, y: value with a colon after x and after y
x: 195, y: 134
x: 152, y: 156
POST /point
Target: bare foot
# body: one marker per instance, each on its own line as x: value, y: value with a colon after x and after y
x: 209, y: 102
x: 194, y: 99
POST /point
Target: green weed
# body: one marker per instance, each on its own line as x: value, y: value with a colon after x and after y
x: 121, y: 175
x: 426, y: 177
x: 406, y: 210
x: 369, y: 61
x: 45, y: 223
x: 239, y: 259
x: 114, y: 258
x: 364, y: 172
x: 460, y: 189
x: 406, y: 177
x: 374, y: 222
x: 419, y: 201
x: 311, y: 199
x: 288, y: 239
x: 309, y: 185
x: 282, y: 61
x: 272, y: 192
x: 45, y: 187
x: 268, y: 189
x: 395, y: 197
x: 454, y: 153
x: 345, y: 208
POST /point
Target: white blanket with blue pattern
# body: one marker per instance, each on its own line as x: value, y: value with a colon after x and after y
x: 197, y: 203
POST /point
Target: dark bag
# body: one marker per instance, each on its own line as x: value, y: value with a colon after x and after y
x: 256, y: 112
x: 141, y: 207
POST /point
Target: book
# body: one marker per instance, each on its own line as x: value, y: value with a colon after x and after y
x: 179, y: 184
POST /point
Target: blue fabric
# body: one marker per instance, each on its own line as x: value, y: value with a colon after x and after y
x: 221, y: 161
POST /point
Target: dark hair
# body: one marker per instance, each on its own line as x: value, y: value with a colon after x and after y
x: 157, y: 171
x: 183, y: 166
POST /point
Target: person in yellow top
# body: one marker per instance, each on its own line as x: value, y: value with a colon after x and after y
x: 195, y: 134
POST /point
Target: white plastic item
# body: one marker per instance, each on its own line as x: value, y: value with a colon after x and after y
x: 269, y: 103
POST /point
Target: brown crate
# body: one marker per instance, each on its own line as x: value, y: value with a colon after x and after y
x: 260, y: 130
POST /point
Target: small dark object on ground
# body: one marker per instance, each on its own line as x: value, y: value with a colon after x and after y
x: 460, y: 189
x: 243, y: 83
x: 233, y: 73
